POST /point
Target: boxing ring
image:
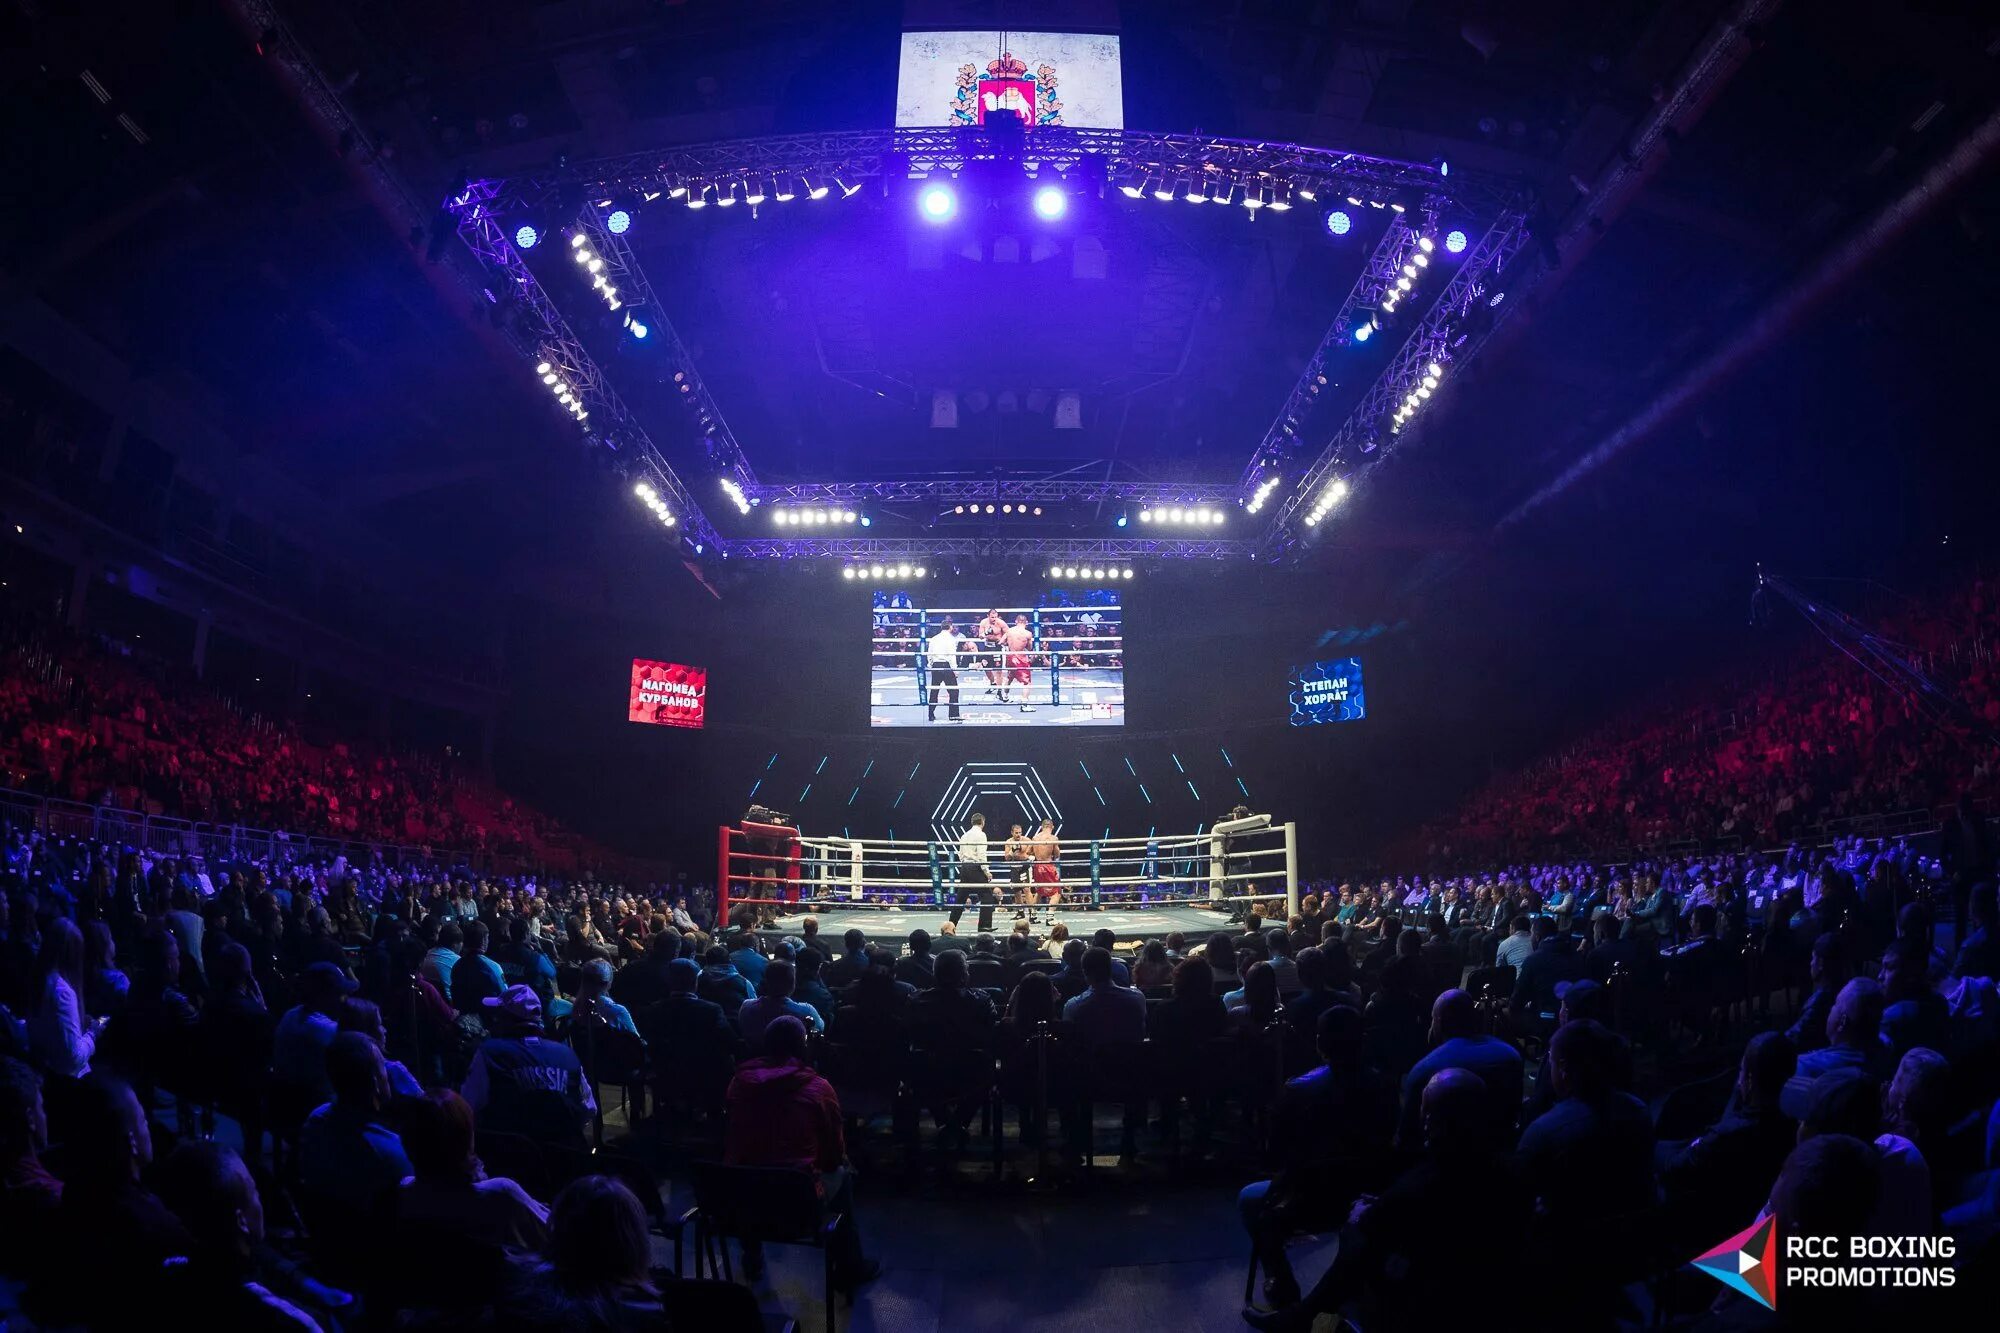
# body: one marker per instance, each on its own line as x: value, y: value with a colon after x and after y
x: 1140, y: 887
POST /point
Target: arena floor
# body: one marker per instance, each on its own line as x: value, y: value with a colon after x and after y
x: 1130, y: 923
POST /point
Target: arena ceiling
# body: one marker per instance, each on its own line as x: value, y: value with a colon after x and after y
x: 238, y: 252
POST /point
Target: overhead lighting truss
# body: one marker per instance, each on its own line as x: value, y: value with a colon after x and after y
x: 995, y: 491
x: 1369, y: 434
x: 1030, y: 550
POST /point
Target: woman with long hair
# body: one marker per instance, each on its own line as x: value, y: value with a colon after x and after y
x: 60, y: 1033
x: 599, y: 1259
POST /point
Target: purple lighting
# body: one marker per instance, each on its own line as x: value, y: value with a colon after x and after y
x: 1050, y: 202
x: 937, y: 202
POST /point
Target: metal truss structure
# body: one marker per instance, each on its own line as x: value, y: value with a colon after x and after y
x: 578, y: 194
x: 1445, y: 335
x: 985, y: 548
x: 989, y: 490
x: 542, y: 334
x: 843, y: 160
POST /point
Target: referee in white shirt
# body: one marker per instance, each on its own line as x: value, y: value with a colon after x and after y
x: 942, y: 649
x: 974, y: 884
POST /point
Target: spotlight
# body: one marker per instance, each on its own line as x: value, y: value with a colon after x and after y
x: 1197, y: 192
x: 937, y: 202
x: 701, y: 198
x: 753, y: 192
x: 1338, y: 223
x: 1055, y: 571
x: 958, y: 509
x: 1364, y: 332
x: 1425, y: 244
x: 847, y: 571
x: 1145, y: 516
x: 1153, y: 186
x: 1038, y: 511
x: 1454, y: 241
x: 874, y: 571
x: 526, y: 237
x: 866, y: 521
x: 1050, y: 202
x: 1224, y: 193
x: 1163, y: 190
x: 781, y: 189
x: 1121, y: 520
x: 1132, y: 187
x: 726, y: 196
x: 848, y: 189
x: 1281, y: 199
x: 619, y: 222
x: 814, y: 188
x: 638, y: 329
x: 920, y: 571
x: 1069, y: 571
x: 1006, y: 509
x: 1256, y: 196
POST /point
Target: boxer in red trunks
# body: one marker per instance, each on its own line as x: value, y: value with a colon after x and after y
x: 1020, y: 665
x: 1042, y: 850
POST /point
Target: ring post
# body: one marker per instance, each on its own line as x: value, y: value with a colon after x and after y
x: 721, y: 877
x: 1291, y: 870
x: 1096, y: 871
x: 937, y: 875
x: 854, y: 887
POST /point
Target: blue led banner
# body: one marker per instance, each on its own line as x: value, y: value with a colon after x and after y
x: 1328, y: 692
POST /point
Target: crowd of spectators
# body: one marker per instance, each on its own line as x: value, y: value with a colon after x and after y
x: 1792, y: 749
x: 89, y: 720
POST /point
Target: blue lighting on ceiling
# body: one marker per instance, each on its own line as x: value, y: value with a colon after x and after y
x: 526, y: 237
x: 619, y: 222
x: 1363, y: 332
x: 1338, y: 223
x: 1454, y: 241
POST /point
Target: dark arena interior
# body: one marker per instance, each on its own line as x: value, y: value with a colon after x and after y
x: 1296, y: 664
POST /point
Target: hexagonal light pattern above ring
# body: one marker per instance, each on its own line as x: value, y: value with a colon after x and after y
x: 1005, y: 781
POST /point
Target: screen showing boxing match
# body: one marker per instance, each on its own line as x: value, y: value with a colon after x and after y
x: 1328, y: 692
x: 1045, y: 78
x: 667, y: 694
x: 980, y: 662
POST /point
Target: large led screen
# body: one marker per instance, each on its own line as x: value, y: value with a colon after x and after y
x: 1047, y: 78
x: 968, y: 662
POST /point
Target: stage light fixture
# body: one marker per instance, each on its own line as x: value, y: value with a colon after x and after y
x: 726, y: 196
x: 526, y: 237
x: 1307, y: 193
x: 958, y: 509
x: 1426, y: 244
x: 1121, y: 520
x: 1338, y: 223
x: 848, y: 189
x: 874, y: 571
x: 1197, y: 192
x: 1038, y: 511
x: 937, y: 202
x: 1363, y: 332
x: 1224, y: 193
x: 920, y: 572
x: 866, y: 521
x: 618, y: 222
x: 1454, y: 241
x: 1050, y: 202
x: 1132, y: 187
x: 847, y: 571
x: 1281, y: 199
x: 702, y: 197
x: 1006, y: 509
x: 1263, y: 492
x: 754, y: 191
x: 1069, y: 571
x: 1163, y: 190
x: 989, y: 509
x: 1055, y: 571
x: 1335, y: 492
x: 734, y: 491
x: 1256, y: 196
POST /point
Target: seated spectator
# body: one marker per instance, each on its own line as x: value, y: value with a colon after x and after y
x: 1255, y: 1006
x: 1457, y: 1043
x: 774, y: 1000
x: 1316, y: 1175
x: 1220, y: 954
x: 1443, y: 961
x: 811, y: 988
x: 1520, y: 943
x: 30, y: 1197
x: 643, y: 982
x: 1829, y: 972
x: 299, y: 1044
x: 598, y: 1275
x: 1854, y: 1041
x: 61, y: 1036
x: 721, y: 983
x: 1402, y: 1253
x: 1913, y: 1013
x: 746, y: 952
x: 1611, y: 953
x: 442, y: 958
x: 523, y: 1083
x: 694, y: 1034
x: 953, y: 1025
x: 1154, y: 969
x: 475, y: 978
x: 853, y: 961
x: 1848, y: 1102
x: 593, y: 995
x: 1105, y: 1013
x: 448, y: 1191
x: 1279, y: 945
x: 1917, y: 1105
x: 104, y: 986
x: 1106, y: 939
x: 1069, y: 978
x: 348, y: 1155
x: 115, y: 1232
x: 782, y: 1113
x: 1829, y: 1187
x: 355, y: 1014
x: 1715, y: 1180
x: 215, y: 1198
x: 1979, y: 953
x: 1551, y: 962
x: 1315, y: 996
x: 915, y: 967
x: 1193, y: 1015
x: 1590, y: 1156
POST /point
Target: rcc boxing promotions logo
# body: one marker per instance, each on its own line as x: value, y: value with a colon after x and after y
x: 1747, y: 1261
